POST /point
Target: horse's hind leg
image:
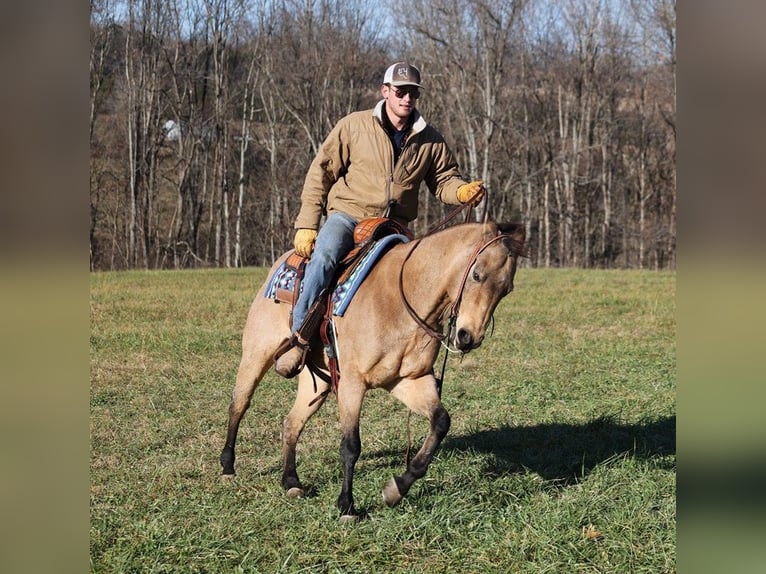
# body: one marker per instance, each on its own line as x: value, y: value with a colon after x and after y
x: 250, y: 372
x: 265, y: 328
x: 350, y: 398
x: 307, y: 402
x: 421, y: 397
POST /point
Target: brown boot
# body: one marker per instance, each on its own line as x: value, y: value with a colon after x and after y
x: 289, y: 363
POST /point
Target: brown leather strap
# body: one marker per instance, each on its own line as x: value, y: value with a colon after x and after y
x: 479, y: 248
x: 455, y: 305
x: 435, y: 334
x: 468, y: 207
x: 314, y: 317
x: 330, y: 350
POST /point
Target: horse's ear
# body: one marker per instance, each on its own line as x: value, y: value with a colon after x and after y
x: 515, y: 230
x: 517, y: 235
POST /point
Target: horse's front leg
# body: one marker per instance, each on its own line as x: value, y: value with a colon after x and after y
x: 350, y: 398
x: 421, y: 396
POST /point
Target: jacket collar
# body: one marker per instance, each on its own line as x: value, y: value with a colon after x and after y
x: 418, y: 125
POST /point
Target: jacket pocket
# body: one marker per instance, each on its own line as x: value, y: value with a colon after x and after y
x: 410, y: 166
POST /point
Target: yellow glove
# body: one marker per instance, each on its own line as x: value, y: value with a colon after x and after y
x: 473, y: 192
x: 304, y: 241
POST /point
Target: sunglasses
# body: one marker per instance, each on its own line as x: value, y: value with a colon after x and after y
x: 413, y: 92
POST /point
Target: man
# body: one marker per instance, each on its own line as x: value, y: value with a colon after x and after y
x: 371, y: 165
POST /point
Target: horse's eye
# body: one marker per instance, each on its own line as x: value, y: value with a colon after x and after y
x: 476, y: 276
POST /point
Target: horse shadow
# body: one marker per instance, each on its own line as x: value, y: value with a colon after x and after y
x: 565, y: 453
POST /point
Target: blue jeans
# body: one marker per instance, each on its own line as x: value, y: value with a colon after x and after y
x: 334, y: 241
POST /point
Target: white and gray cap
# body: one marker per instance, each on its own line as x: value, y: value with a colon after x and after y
x: 402, y: 74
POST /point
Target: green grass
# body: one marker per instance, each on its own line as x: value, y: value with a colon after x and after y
x: 561, y: 455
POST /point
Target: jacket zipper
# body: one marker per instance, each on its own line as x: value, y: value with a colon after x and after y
x: 390, y: 182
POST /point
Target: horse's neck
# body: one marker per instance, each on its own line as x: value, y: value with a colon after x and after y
x: 435, y: 269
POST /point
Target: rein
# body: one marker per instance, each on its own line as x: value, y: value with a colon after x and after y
x: 454, y: 307
x: 467, y: 207
x: 422, y: 324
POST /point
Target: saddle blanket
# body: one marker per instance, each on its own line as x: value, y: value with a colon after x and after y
x: 284, y: 277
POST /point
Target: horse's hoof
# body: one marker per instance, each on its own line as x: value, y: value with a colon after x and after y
x: 391, y: 494
x: 348, y: 519
x: 295, y: 492
x: 227, y: 478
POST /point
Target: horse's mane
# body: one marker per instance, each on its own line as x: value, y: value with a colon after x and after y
x: 514, y: 240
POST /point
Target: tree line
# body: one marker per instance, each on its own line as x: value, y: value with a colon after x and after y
x: 205, y: 115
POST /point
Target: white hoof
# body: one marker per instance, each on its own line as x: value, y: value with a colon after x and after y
x: 348, y: 519
x: 391, y: 494
x: 295, y: 492
x: 227, y: 478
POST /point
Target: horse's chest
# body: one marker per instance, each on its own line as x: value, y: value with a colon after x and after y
x: 413, y: 361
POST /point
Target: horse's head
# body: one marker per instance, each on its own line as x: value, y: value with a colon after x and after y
x: 488, y: 277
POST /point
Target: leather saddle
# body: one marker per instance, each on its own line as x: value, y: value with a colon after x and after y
x: 366, y: 234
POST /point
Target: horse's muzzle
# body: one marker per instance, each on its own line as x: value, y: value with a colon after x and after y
x: 465, y: 340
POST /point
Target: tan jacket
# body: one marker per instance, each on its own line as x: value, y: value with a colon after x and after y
x: 354, y: 171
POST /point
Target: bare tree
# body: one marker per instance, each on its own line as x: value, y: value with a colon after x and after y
x: 318, y: 64
x: 248, y: 112
x: 179, y: 54
x: 103, y: 40
x: 656, y: 21
x: 205, y: 115
x: 143, y: 132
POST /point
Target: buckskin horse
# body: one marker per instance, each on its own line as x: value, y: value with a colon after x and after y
x: 388, y: 338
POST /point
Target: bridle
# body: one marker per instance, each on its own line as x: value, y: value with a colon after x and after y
x: 454, y: 307
x: 468, y: 207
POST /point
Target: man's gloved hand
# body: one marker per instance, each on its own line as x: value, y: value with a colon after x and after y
x: 473, y: 192
x: 304, y: 241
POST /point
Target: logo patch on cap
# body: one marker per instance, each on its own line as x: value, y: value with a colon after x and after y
x: 402, y: 73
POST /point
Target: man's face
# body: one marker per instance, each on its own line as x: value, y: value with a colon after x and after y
x: 400, y: 100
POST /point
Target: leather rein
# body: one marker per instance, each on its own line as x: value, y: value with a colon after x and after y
x: 454, y: 307
x: 435, y: 227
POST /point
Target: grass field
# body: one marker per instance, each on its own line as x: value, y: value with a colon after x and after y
x: 560, y: 458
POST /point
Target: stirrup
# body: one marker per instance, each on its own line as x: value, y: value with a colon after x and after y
x: 294, y: 340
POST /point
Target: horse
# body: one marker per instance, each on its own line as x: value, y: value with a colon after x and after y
x: 388, y: 338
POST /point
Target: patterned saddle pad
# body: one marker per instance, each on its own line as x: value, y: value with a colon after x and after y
x: 283, y: 278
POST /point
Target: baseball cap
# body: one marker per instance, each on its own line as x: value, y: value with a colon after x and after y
x: 402, y: 74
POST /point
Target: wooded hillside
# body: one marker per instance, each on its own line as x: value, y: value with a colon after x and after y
x: 205, y: 115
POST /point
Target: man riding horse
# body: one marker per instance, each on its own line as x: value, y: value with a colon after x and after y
x: 371, y: 165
